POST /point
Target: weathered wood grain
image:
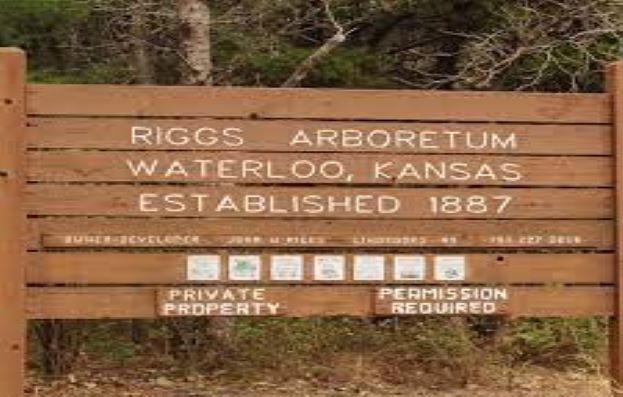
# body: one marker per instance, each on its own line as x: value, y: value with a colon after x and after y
x: 12, y: 222
x: 308, y: 103
x: 277, y: 135
x: 44, y: 199
x: 614, y: 80
x: 140, y: 302
x: 170, y: 268
x: 199, y: 233
x: 319, y: 168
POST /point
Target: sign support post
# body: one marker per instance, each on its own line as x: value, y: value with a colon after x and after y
x: 614, y: 81
x: 12, y: 222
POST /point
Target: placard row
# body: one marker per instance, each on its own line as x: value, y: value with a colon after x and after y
x: 326, y: 267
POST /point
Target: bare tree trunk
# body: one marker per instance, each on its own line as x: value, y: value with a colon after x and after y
x: 191, y: 340
x: 195, y: 18
x: 140, y: 53
x: 143, y: 74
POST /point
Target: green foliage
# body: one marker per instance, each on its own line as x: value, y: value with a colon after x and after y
x: 354, y: 68
x: 463, y: 44
x: 42, y: 27
x: 104, y: 73
x: 275, y: 67
x: 557, y: 341
x: 419, y: 351
x: 346, y: 67
x: 545, y: 45
x: 103, y: 341
x: 109, y: 349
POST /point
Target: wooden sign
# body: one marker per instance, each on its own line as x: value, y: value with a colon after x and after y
x: 139, y: 202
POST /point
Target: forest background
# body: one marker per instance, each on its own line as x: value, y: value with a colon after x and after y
x: 545, y: 45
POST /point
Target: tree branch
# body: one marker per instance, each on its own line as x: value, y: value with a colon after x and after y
x: 305, y: 67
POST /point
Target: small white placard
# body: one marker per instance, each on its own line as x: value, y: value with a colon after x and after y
x: 329, y: 267
x: 203, y: 267
x: 409, y: 267
x: 450, y: 268
x: 286, y: 267
x: 369, y: 268
x: 244, y: 267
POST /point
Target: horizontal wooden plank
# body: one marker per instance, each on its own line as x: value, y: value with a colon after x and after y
x: 140, y: 302
x: 171, y: 268
x: 318, y: 202
x: 319, y: 168
x: 200, y: 233
x: 81, y: 100
x: 317, y: 136
x: 90, y: 303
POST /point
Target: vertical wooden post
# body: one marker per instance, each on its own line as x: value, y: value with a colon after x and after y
x: 614, y: 82
x: 12, y: 222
